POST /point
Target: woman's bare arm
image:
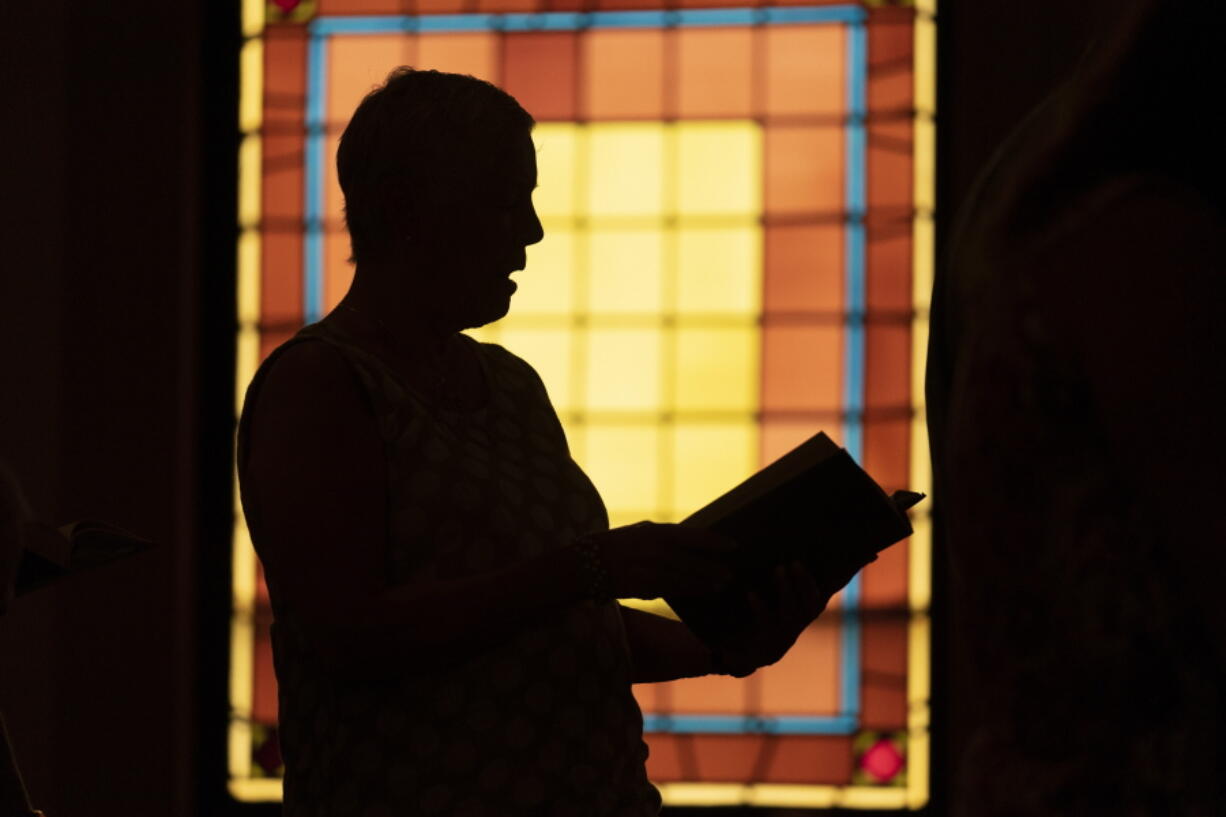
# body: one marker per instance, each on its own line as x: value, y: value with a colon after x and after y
x: 662, y: 649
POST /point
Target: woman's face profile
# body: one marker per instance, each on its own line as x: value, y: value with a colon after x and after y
x: 481, y: 241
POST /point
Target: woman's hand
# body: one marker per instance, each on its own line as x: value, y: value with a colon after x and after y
x: 799, y: 599
x: 649, y: 560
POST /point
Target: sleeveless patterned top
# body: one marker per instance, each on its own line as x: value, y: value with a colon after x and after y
x: 542, y: 724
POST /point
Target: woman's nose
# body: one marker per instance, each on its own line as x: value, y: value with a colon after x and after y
x: 535, y: 231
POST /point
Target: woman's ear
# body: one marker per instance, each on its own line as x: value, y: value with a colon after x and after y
x: 399, y: 211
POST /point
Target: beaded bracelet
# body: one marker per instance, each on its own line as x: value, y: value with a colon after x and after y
x: 593, y: 568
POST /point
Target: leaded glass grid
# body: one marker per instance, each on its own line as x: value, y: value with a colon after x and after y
x: 737, y: 203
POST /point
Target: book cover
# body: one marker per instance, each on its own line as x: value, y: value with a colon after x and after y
x: 50, y: 554
x: 814, y: 505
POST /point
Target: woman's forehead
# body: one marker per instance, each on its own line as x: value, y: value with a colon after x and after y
x: 523, y: 165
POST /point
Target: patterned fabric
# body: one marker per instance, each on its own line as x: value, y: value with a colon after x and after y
x: 543, y: 724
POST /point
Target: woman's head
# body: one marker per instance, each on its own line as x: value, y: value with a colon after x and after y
x: 437, y: 171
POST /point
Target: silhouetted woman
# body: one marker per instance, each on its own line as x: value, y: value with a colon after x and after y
x: 441, y: 571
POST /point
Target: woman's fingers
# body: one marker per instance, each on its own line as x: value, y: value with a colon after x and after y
x: 838, y: 576
x: 798, y: 593
x: 704, y: 554
x: 649, y: 559
x: 715, y: 573
x: 785, y: 594
x: 808, y: 594
x: 696, y: 576
x: 758, y: 608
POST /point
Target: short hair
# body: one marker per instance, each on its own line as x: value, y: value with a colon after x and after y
x: 417, y: 139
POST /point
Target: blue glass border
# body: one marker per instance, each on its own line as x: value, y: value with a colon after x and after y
x: 574, y: 20
x: 749, y: 724
x: 855, y: 299
x: 855, y: 203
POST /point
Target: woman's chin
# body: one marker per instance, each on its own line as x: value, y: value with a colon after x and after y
x: 495, y: 309
x: 500, y: 311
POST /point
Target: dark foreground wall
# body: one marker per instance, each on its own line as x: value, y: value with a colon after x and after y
x: 101, y: 293
x: 116, y: 251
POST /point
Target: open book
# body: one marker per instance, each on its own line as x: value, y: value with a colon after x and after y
x: 814, y: 505
x: 52, y: 553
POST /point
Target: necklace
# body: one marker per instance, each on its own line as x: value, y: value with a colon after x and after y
x: 435, y: 365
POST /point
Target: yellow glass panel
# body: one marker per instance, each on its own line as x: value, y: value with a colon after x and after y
x: 623, y: 463
x: 920, y: 563
x: 788, y: 795
x: 623, y: 370
x: 250, y: 157
x: 717, y: 369
x: 708, y: 460
x: 248, y: 281
x: 719, y: 270
x: 251, y: 88
x: 625, y: 269
x: 549, y: 352
x: 556, y: 149
x: 626, y: 164
x: 253, y: 22
x: 619, y: 519
x: 719, y: 168
x: 256, y: 790
x: 546, y: 283
x: 242, y: 651
x: 658, y: 607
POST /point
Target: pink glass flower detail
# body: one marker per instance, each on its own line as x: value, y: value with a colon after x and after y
x: 882, y: 761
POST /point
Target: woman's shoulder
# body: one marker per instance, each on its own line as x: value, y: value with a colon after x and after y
x: 304, y: 366
x: 508, y: 368
x: 303, y: 383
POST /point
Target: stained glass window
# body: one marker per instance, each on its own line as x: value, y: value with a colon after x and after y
x: 737, y: 202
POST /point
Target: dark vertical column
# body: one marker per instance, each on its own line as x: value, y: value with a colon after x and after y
x: 995, y: 62
x: 217, y: 196
x: 32, y: 54
x: 102, y: 297
x: 128, y: 414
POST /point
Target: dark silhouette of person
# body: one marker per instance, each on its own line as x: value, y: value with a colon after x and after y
x: 15, y: 517
x: 442, y: 575
x: 1075, y: 377
x: 34, y: 554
